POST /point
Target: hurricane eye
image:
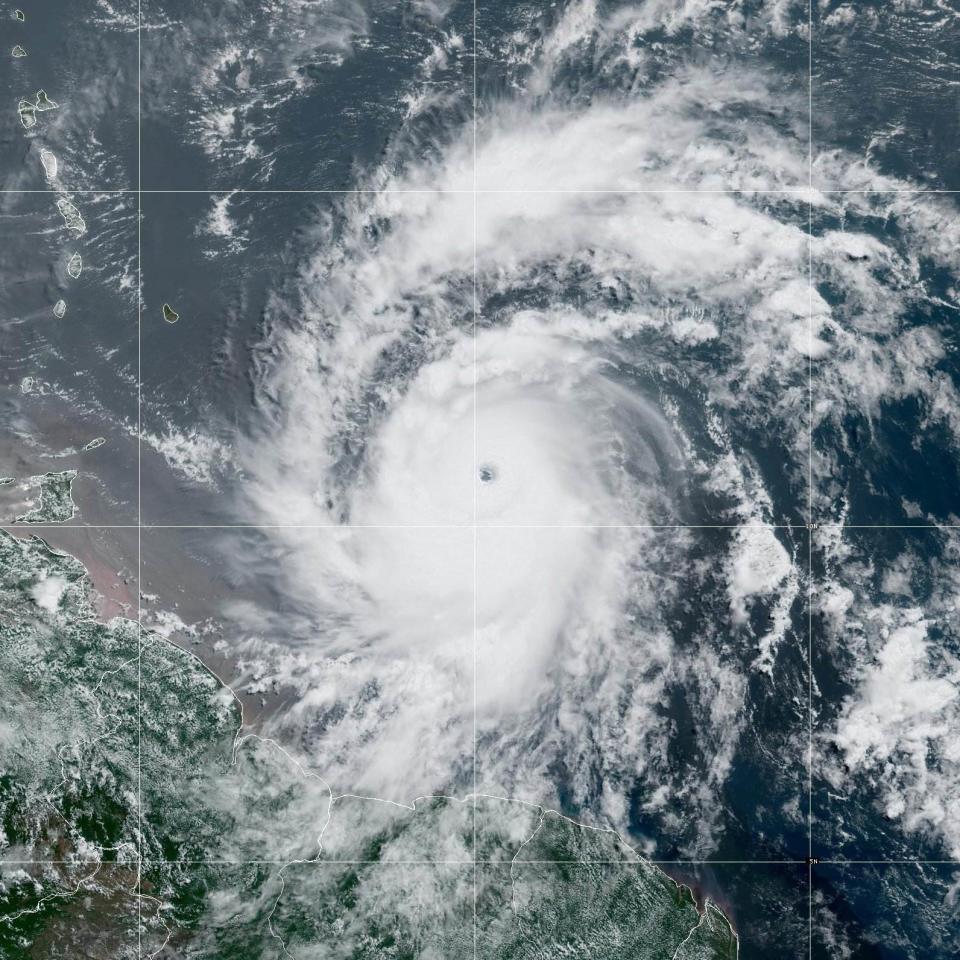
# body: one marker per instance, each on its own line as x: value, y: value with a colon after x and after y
x: 487, y: 473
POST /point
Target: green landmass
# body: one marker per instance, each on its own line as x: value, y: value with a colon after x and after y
x: 44, y: 102
x: 71, y: 216
x: 169, y: 314
x: 27, y: 112
x: 56, y: 499
x: 121, y: 762
x: 49, y: 162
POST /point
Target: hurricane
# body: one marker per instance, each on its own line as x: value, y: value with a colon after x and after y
x: 582, y: 462
x: 505, y: 412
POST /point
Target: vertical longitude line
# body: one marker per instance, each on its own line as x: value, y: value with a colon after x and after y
x: 139, y: 500
x: 474, y: 480
x: 810, y: 500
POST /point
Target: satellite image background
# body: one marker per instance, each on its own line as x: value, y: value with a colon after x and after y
x: 480, y: 479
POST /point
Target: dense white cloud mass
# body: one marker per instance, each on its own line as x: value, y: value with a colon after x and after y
x: 484, y: 483
x: 896, y: 730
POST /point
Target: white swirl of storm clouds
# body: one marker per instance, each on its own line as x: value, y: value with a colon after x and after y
x: 586, y: 408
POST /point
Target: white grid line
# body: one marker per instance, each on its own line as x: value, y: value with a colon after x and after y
x: 810, y: 522
x: 26, y: 527
x: 140, y: 851
x: 802, y: 191
x: 476, y: 517
x: 212, y: 861
x: 475, y: 192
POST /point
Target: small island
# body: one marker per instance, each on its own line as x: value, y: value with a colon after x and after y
x: 72, y: 218
x: 44, y: 102
x: 56, y: 499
